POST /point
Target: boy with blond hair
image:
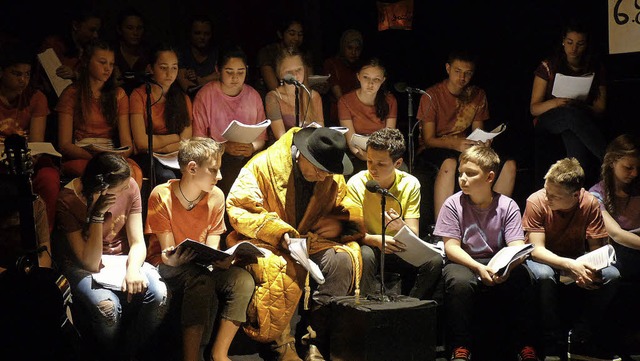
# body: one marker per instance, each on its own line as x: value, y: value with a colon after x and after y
x: 475, y: 224
x: 563, y: 221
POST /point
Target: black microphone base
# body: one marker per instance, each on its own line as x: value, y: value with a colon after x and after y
x: 382, y: 298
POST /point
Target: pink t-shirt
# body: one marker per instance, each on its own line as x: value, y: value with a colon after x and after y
x: 565, y: 232
x: 16, y: 118
x: 481, y: 231
x: 71, y: 214
x: 365, y: 120
x: 93, y: 124
x: 281, y: 107
x: 138, y: 105
x: 627, y: 208
x: 213, y: 110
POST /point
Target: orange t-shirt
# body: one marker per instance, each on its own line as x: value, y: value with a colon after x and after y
x: 166, y: 214
x: 17, y: 119
x: 95, y: 125
x: 365, y: 120
x: 138, y: 105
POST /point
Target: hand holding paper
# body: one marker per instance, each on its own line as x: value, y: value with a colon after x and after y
x: 299, y: 252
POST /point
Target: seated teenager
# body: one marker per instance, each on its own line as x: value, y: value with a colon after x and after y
x: 100, y: 214
x: 563, y: 222
x: 198, y: 61
x: 385, y: 148
x: 24, y: 111
x: 93, y: 110
x: 221, y: 102
x: 447, y: 113
x: 131, y: 52
x: 475, y: 224
x: 170, y: 114
x: 193, y: 208
x: 280, y: 102
x: 367, y: 109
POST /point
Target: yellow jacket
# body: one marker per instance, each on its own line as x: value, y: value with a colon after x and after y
x: 261, y: 208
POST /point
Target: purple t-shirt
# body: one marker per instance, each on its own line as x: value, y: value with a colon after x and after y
x: 482, y: 232
x: 628, y: 209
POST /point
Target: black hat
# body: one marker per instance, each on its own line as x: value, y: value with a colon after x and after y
x: 325, y: 148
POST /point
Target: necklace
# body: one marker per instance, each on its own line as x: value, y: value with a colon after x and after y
x: 190, y: 204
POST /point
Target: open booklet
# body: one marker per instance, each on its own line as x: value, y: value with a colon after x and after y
x: 502, y: 262
x: 342, y: 130
x: 359, y: 141
x: 572, y: 87
x: 98, y: 145
x: 50, y: 62
x: 300, y: 253
x: 318, y: 79
x: 111, y: 275
x: 244, y: 133
x: 482, y: 136
x: 597, y: 259
x: 168, y: 159
x: 206, y: 255
x: 417, y: 251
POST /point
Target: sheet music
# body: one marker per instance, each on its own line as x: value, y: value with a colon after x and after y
x: 169, y: 159
x: 244, y: 133
x: 50, y: 62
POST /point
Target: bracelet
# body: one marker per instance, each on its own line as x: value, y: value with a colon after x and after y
x: 97, y: 219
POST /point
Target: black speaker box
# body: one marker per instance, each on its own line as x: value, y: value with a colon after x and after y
x: 403, y: 329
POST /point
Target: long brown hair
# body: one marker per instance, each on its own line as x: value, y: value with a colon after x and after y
x: 176, y: 114
x: 108, y: 94
x: 624, y: 145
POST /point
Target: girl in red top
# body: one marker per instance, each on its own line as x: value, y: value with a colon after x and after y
x: 94, y: 111
x: 23, y: 111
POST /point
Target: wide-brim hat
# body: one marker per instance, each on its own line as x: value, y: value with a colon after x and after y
x: 325, y: 148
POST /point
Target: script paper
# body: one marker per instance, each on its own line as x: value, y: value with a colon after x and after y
x: 244, y: 133
x: 299, y: 252
x: 112, y: 275
x: 482, y: 136
x: 50, y: 62
x: 572, y: 87
x: 416, y: 252
x: 359, y: 141
x: 168, y: 160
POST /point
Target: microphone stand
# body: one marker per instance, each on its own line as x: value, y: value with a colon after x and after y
x: 383, y: 206
x: 152, y: 174
x: 410, y: 144
x: 297, y: 105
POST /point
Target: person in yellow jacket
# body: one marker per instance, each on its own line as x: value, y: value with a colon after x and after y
x: 296, y: 189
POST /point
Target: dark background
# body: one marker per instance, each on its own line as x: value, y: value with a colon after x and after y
x: 510, y: 37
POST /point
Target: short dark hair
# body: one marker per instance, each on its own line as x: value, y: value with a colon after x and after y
x: 229, y: 52
x: 462, y: 55
x: 388, y: 139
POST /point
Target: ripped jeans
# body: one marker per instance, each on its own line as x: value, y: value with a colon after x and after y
x: 104, y: 310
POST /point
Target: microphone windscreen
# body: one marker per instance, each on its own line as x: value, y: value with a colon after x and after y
x: 289, y: 78
x: 400, y: 87
x: 372, y: 186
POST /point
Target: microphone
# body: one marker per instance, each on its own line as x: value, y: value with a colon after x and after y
x: 139, y: 77
x: 290, y: 79
x: 402, y: 88
x: 374, y: 187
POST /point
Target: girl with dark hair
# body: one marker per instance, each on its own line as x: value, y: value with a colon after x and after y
x: 290, y: 35
x: 170, y: 113
x: 100, y: 215
x: 343, y: 69
x: 367, y: 109
x: 619, y: 193
x: 219, y: 103
x: 280, y: 102
x: 130, y: 53
x: 24, y: 111
x: 94, y: 111
x: 198, y: 60
x: 573, y: 119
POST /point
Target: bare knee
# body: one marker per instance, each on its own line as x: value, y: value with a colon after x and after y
x: 108, y: 310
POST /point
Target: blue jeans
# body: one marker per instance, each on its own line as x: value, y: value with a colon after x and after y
x: 579, y: 133
x: 105, y: 308
x: 594, y: 303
